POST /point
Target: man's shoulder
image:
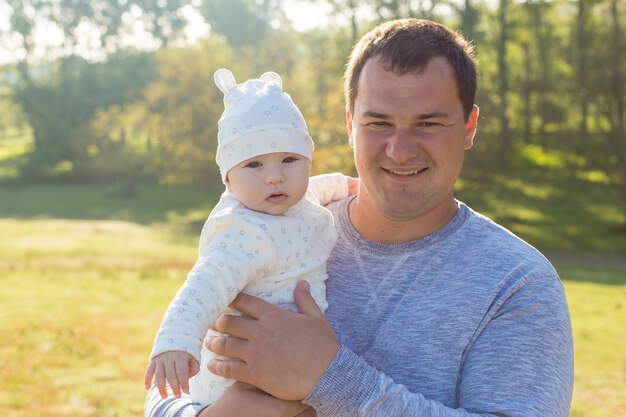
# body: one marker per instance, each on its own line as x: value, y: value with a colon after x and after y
x: 495, y: 241
x: 336, y: 207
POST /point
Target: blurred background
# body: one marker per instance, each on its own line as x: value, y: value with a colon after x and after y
x: 108, y: 132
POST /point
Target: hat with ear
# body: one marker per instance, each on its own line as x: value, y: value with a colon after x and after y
x: 258, y: 118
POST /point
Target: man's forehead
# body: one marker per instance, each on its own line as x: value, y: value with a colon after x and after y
x: 427, y: 93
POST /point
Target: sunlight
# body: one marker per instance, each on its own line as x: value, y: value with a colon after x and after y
x: 306, y: 15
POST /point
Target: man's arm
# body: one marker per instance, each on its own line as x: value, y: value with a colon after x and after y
x: 520, y: 365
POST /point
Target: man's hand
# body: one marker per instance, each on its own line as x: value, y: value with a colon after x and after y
x: 243, y: 400
x: 282, y: 353
x: 176, y: 367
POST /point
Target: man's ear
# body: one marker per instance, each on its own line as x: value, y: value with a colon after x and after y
x: 470, y: 127
x: 349, y: 126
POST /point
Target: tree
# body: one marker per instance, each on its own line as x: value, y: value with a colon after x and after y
x: 319, y: 87
x: 60, y: 112
x: 60, y: 97
x: 547, y: 85
x: 349, y: 8
x: 503, y: 79
x: 617, y: 134
x: 470, y: 17
x: 180, y: 109
x: 242, y: 22
x: 162, y: 18
x: 583, y: 81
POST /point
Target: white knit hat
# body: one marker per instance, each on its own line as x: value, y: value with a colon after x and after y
x: 258, y: 119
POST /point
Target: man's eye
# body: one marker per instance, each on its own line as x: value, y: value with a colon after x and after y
x: 253, y: 164
x: 290, y: 159
x: 429, y: 124
x: 378, y: 124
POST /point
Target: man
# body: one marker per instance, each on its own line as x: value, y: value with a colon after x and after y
x: 434, y: 310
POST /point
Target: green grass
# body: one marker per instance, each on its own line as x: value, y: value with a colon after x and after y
x: 82, y: 300
x: 152, y: 204
x: 86, y: 274
x: 597, y: 301
x: 550, y: 207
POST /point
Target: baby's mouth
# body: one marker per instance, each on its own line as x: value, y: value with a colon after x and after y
x: 277, y: 197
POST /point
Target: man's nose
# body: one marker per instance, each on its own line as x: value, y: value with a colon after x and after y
x: 402, y: 145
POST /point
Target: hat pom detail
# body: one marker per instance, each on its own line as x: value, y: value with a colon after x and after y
x: 225, y: 80
x: 271, y: 76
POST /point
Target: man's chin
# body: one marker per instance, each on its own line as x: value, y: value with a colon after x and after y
x: 402, y: 210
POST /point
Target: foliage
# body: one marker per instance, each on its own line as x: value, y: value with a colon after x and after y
x: 337, y: 158
x: 15, y: 145
x: 317, y: 87
x: 181, y: 110
x: 61, y: 112
x: 100, y: 23
x: 162, y: 18
x: 551, y: 76
x: 241, y: 22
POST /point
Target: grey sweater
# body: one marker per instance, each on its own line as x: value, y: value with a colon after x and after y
x: 467, y: 321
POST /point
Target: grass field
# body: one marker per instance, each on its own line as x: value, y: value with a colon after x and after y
x: 80, y: 304
x: 81, y: 300
x: 87, y: 273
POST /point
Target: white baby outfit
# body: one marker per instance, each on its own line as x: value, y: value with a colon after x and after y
x: 242, y: 250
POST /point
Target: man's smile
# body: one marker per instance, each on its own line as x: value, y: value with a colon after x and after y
x: 405, y: 173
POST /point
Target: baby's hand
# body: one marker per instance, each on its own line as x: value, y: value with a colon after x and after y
x: 353, y: 185
x: 174, y: 366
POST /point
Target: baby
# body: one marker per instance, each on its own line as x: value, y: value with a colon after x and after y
x: 267, y: 232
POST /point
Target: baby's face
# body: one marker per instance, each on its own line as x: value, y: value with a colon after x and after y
x: 270, y: 183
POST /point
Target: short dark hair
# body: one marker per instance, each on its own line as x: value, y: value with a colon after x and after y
x: 407, y: 45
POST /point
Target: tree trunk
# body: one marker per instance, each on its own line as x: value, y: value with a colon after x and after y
x: 350, y: 7
x: 469, y: 20
x: 505, y: 140
x: 583, y: 82
x: 619, y: 142
x: 544, y: 76
x: 353, y: 23
x: 527, y: 93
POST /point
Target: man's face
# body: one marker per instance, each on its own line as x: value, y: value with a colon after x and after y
x: 409, y: 136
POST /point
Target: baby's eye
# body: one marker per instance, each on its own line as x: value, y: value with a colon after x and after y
x: 253, y: 164
x: 290, y: 159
